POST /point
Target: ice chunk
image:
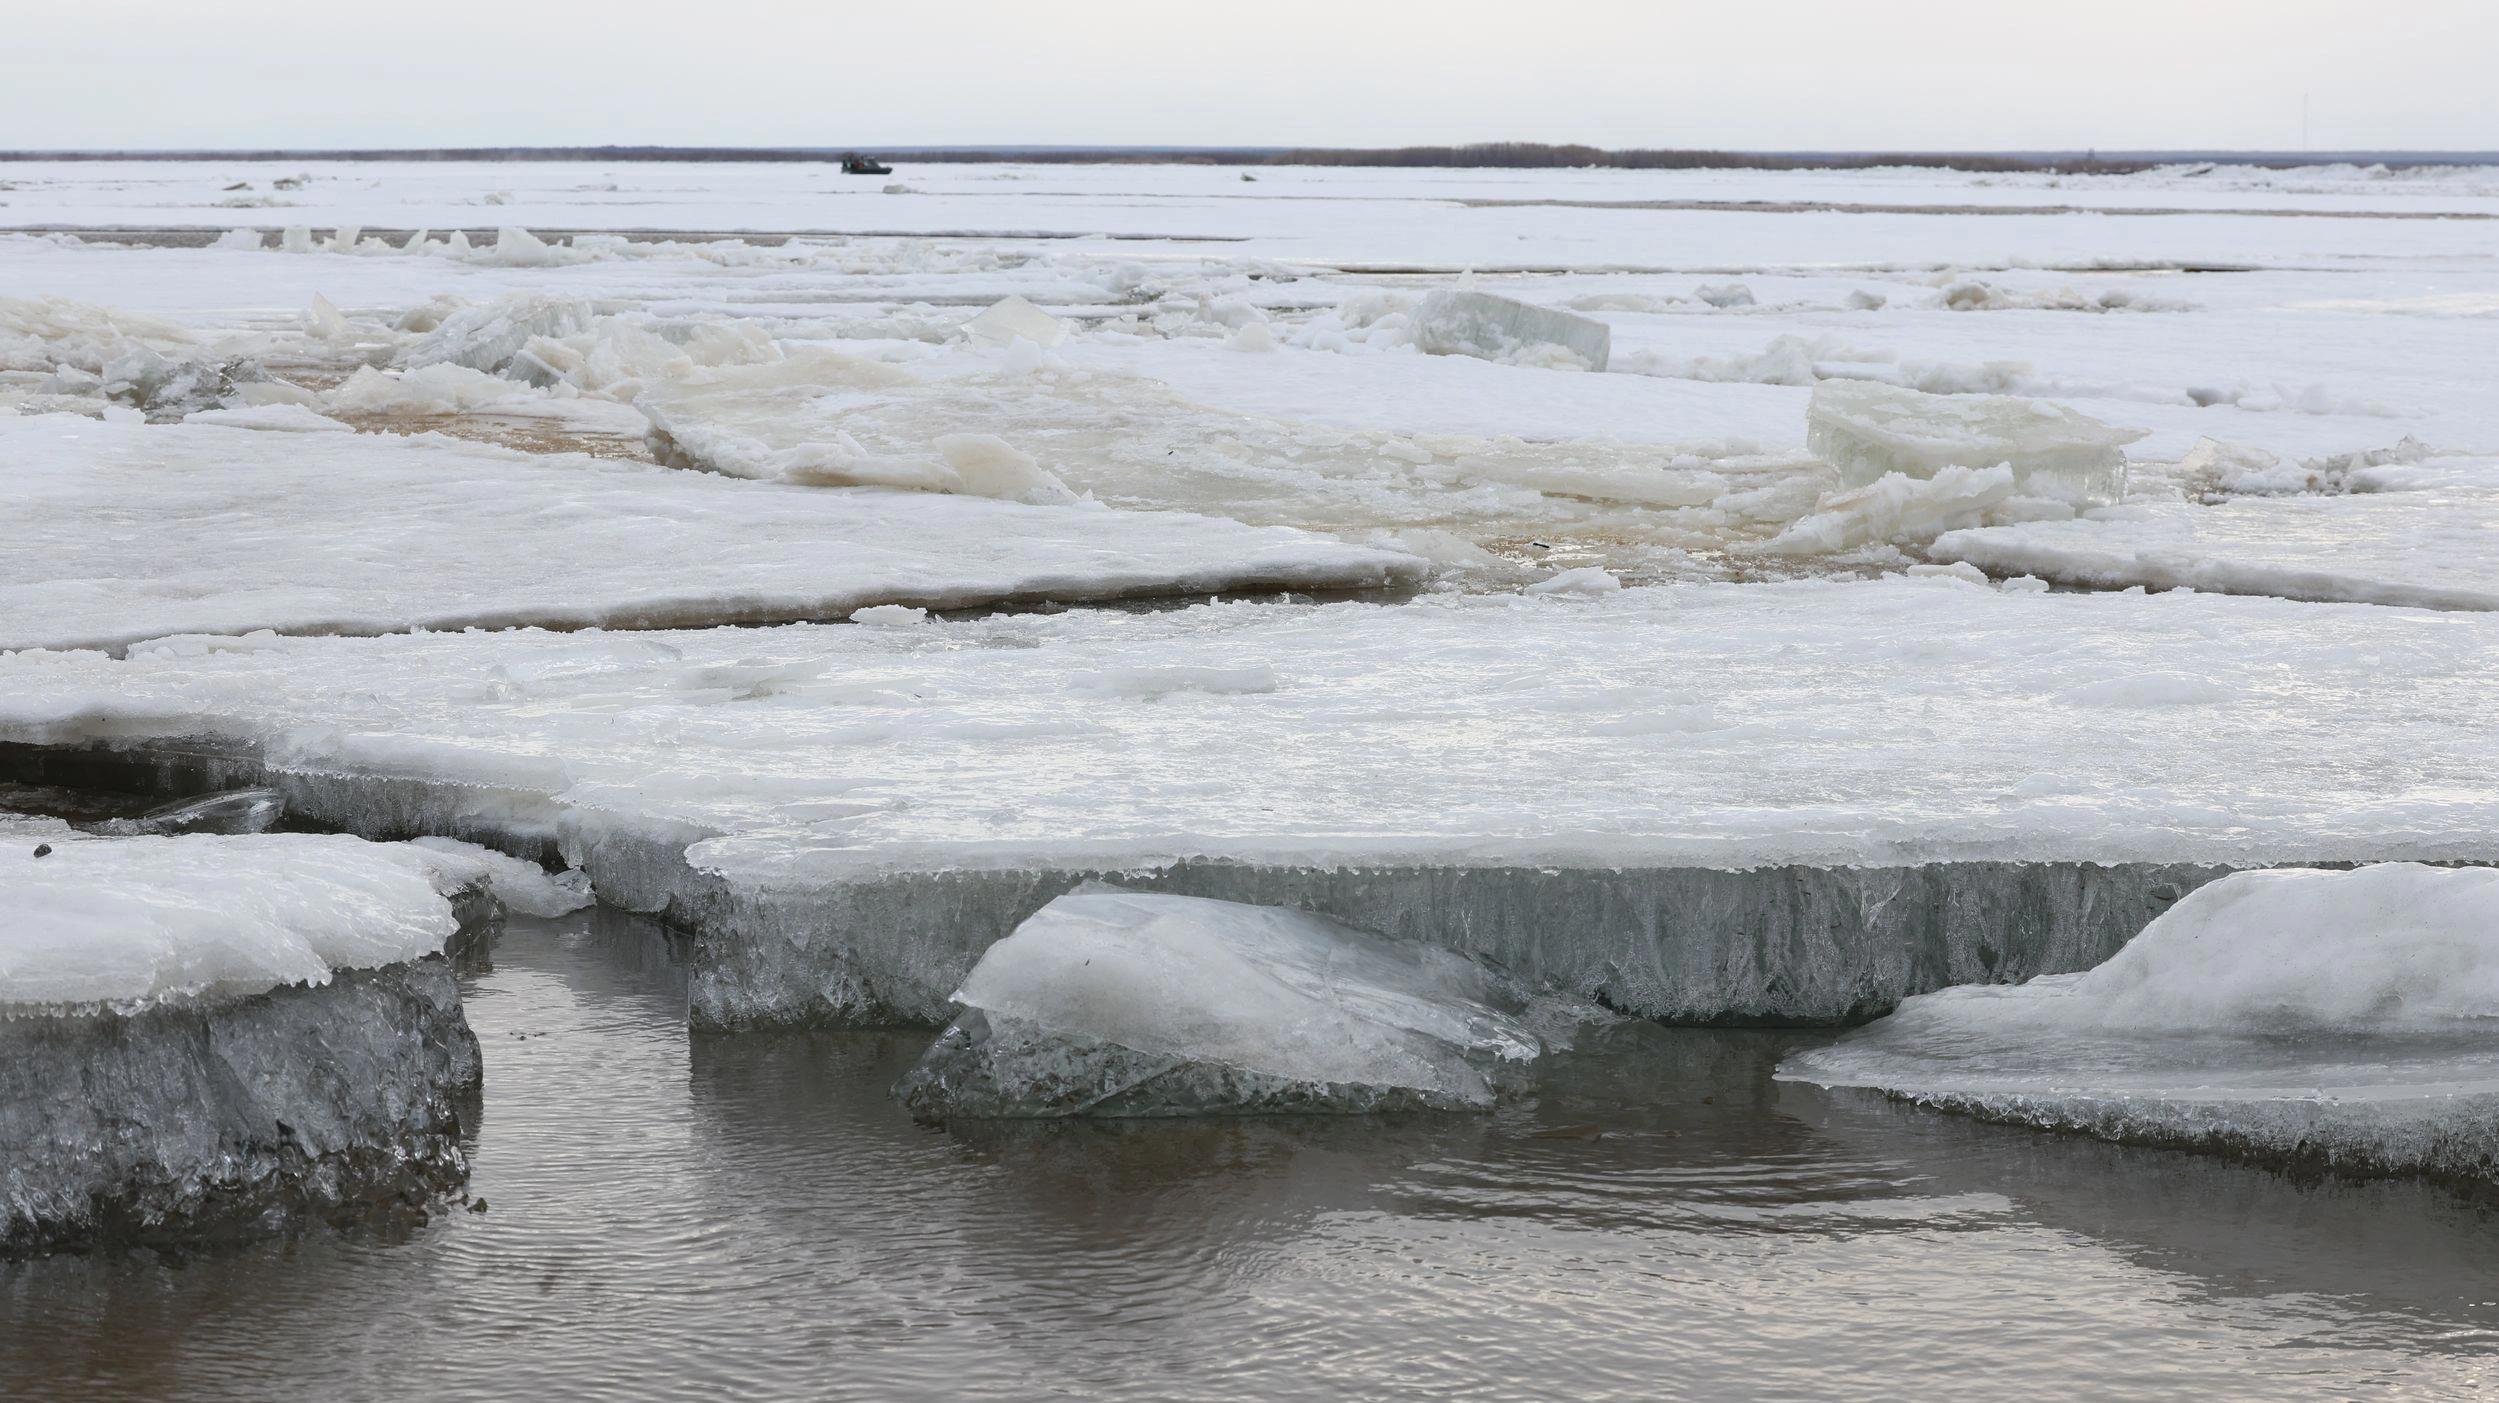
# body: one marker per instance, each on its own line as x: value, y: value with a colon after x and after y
x: 236, y: 811
x: 1866, y: 429
x: 184, y: 1122
x: 2337, y: 1018
x: 487, y: 336
x: 1013, y: 319
x: 521, y: 886
x: 1898, y: 508
x: 1724, y: 294
x: 240, y: 239
x: 1114, y: 1003
x: 1461, y: 322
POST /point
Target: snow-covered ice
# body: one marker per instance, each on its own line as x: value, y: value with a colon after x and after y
x: 1912, y: 719
x: 124, y: 921
x: 2331, y: 1018
x: 1115, y: 1003
x: 220, y: 1035
x: 126, y: 532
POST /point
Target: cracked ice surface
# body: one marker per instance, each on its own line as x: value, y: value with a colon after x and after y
x: 1899, y: 720
x: 125, y: 532
x: 2328, y: 1017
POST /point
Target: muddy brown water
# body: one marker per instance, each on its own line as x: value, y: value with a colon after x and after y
x: 750, y: 1216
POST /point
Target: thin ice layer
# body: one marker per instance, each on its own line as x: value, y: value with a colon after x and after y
x: 1867, y: 429
x: 1108, y: 1002
x: 2430, y: 549
x: 121, y: 920
x: 124, y: 532
x: 2338, y: 1017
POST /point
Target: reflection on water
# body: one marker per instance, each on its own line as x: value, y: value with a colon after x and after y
x: 750, y: 1216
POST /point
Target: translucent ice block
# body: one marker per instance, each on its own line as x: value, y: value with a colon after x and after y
x: 1867, y: 429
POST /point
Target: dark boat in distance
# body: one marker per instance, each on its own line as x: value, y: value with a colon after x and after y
x: 856, y: 164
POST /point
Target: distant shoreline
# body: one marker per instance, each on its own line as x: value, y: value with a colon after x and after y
x: 1502, y: 155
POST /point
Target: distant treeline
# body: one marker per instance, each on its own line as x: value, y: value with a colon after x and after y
x: 1520, y: 155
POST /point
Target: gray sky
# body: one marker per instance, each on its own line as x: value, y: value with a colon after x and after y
x: 1757, y: 74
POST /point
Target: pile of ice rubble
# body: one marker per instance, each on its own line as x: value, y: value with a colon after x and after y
x: 1115, y: 1003
x: 2331, y: 1019
x: 216, y: 1033
x: 996, y: 410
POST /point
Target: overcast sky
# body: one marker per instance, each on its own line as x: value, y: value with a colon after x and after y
x: 1746, y: 74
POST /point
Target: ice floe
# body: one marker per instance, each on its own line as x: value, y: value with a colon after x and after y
x: 2334, y: 1019
x: 1114, y: 1003
x: 122, y: 533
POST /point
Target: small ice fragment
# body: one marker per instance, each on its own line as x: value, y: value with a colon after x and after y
x: 1012, y: 318
x: 1460, y: 322
x: 524, y: 887
x: 1115, y: 1003
x: 1865, y: 301
x: 1587, y: 579
x: 1253, y: 336
x: 233, y: 812
x: 889, y: 616
x: 323, y: 321
x: 240, y: 238
x: 1867, y: 429
x: 1724, y: 294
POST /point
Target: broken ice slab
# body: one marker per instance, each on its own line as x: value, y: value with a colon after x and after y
x: 1866, y: 429
x: 1012, y: 319
x: 123, y: 533
x: 1461, y: 322
x: 1115, y: 1003
x: 209, y: 1036
x: 2333, y: 1020
x: 2424, y: 548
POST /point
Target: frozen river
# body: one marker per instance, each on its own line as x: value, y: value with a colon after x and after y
x: 751, y: 1216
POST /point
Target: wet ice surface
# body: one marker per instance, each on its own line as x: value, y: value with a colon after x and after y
x: 1117, y: 1003
x: 2323, y: 1017
x: 753, y: 1215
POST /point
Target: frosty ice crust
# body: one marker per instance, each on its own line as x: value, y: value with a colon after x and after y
x: 2335, y: 1019
x: 1115, y: 1003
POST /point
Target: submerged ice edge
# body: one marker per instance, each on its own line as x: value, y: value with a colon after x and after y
x: 1790, y: 943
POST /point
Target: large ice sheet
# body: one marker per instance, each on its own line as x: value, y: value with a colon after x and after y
x: 2335, y: 1018
x: 1904, y: 719
x: 2427, y: 548
x: 125, y: 532
x: 1115, y: 1003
